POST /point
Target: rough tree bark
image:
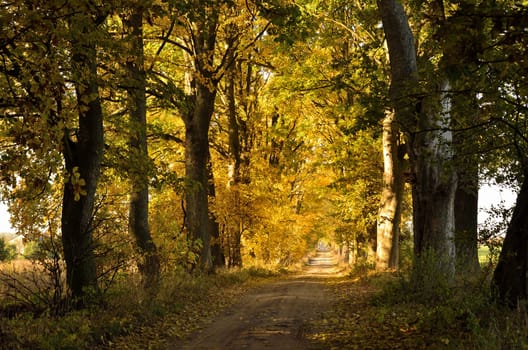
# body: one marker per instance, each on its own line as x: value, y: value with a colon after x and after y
x: 138, y: 225
x: 388, y: 229
x: 404, y: 80
x: 510, y: 278
x: 82, y: 157
x: 466, y: 195
x: 203, y: 77
x: 435, y: 186
x: 426, y: 124
x: 196, y: 157
x: 466, y: 222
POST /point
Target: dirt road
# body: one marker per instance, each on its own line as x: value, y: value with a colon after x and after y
x: 274, y: 316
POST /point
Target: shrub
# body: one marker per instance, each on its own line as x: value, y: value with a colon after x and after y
x: 33, y: 250
x: 7, y: 251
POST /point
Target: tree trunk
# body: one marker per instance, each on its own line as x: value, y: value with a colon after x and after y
x: 425, y: 124
x: 235, y: 227
x: 466, y: 223
x: 202, y: 79
x: 510, y: 279
x: 217, y: 253
x: 435, y: 186
x: 196, y: 158
x: 388, y: 230
x: 404, y: 70
x: 138, y: 224
x: 466, y: 195
x: 404, y: 81
x: 83, y: 162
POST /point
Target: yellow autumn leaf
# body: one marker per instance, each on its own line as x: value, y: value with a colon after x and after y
x: 78, y: 184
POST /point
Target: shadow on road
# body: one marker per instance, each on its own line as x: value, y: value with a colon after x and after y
x: 274, y: 316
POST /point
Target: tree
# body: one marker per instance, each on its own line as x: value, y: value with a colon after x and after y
x: 32, y: 115
x: 404, y: 75
x: 240, y: 106
x: 509, y: 98
x: 139, y: 159
x: 203, y: 32
x: 466, y: 222
x: 217, y: 253
x: 460, y: 64
x: 82, y: 151
x: 54, y: 110
x: 389, y: 217
x: 468, y: 162
x: 197, y: 37
x: 236, y: 227
x: 509, y: 277
x: 426, y: 121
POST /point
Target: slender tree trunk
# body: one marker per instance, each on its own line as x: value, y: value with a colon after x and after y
x: 235, y: 227
x: 217, y: 253
x: 234, y: 137
x: 138, y: 225
x: 388, y: 230
x: 510, y: 279
x: 466, y: 222
x: 82, y: 158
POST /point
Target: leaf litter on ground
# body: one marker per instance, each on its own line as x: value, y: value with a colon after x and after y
x: 362, y: 319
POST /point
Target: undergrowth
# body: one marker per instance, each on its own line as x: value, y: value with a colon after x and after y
x: 129, y: 318
x: 461, y: 316
x: 392, y: 311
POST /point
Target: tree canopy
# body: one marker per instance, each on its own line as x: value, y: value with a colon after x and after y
x: 200, y: 134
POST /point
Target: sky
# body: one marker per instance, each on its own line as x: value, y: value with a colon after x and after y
x: 4, y: 219
x: 493, y: 195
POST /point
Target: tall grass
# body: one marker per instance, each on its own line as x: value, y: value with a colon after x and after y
x: 462, y: 312
x: 130, y: 316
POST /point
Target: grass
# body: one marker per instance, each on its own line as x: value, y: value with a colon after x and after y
x: 373, y: 311
x: 483, y: 254
x: 383, y: 311
x: 130, y: 319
